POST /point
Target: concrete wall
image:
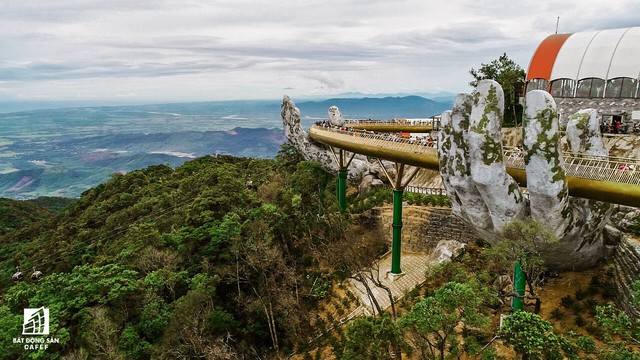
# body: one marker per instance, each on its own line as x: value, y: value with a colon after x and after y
x: 423, y: 226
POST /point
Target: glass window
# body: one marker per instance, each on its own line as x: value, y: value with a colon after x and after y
x: 584, y: 88
x: 613, y: 88
x: 562, y: 88
x: 628, y: 89
x: 597, y: 88
x: 567, y: 87
x: 537, y: 84
x: 556, y: 88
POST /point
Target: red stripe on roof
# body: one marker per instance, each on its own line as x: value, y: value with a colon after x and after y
x: 544, y: 57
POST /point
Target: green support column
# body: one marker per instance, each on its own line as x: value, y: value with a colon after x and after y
x: 342, y: 190
x: 397, y: 232
x: 519, y: 284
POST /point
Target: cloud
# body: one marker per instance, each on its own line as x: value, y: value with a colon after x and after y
x: 328, y: 81
x: 459, y: 36
x: 255, y: 48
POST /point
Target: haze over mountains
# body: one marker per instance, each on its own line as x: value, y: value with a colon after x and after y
x: 63, y: 152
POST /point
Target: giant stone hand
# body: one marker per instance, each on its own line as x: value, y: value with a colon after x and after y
x: 311, y: 151
x: 486, y: 197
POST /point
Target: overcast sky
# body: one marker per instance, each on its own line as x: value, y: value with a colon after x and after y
x: 192, y: 50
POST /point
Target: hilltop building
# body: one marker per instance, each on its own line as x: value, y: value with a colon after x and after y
x: 596, y: 69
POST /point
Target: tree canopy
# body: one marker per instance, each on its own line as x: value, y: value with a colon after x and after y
x: 511, y: 77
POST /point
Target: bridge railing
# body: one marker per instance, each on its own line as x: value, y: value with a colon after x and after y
x: 601, y: 168
x: 384, y: 140
x: 425, y: 190
x: 391, y: 122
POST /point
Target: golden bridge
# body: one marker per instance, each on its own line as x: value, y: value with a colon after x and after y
x: 610, y: 179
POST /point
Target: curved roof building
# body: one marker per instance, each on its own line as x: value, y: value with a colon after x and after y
x: 597, y: 64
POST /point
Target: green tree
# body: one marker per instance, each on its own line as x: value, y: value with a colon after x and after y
x: 372, y: 338
x: 511, y: 77
x: 523, y: 240
x: 532, y: 337
x: 431, y: 323
x: 617, y: 323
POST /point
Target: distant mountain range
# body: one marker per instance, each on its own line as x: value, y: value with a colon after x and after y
x: 63, y: 152
x: 377, y: 108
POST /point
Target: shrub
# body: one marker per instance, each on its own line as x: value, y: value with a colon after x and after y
x: 586, y: 344
x: 591, y: 305
x: 567, y: 301
x: 557, y: 314
x: 576, y: 308
x: 580, y: 294
x: 594, y: 285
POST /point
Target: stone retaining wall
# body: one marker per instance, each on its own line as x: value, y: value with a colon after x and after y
x: 625, y: 259
x: 626, y: 265
x: 423, y: 226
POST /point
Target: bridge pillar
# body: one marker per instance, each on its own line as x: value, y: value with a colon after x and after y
x: 398, y: 190
x: 396, y: 244
x: 341, y: 182
x: 342, y: 190
x: 519, y: 284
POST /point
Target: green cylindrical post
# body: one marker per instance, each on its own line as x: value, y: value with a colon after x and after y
x: 519, y: 284
x: 342, y: 190
x: 397, y: 232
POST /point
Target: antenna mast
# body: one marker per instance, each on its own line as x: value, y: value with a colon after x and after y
x: 557, y: 22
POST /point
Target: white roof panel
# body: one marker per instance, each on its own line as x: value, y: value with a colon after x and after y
x: 597, y: 58
x: 626, y: 59
x: 570, y: 56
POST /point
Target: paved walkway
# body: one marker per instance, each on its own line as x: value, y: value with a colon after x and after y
x: 414, y: 267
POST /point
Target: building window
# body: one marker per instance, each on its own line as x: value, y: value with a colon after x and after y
x: 538, y: 84
x: 584, y: 88
x: 628, y: 88
x: 562, y: 88
x: 614, y: 86
x: 597, y: 88
x: 621, y: 88
x: 590, y: 88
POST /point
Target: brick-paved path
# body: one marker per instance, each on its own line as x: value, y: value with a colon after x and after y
x: 414, y: 266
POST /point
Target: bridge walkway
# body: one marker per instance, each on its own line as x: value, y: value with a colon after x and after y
x: 605, y: 178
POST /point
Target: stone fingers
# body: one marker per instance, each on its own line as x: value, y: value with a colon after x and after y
x: 583, y: 133
x: 584, y: 137
x: 499, y: 191
x: 474, y: 209
x: 444, y: 151
x: 546, y: 179
x: 299, y: 138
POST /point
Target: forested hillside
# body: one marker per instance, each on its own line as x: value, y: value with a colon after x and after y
x: 180, y: 263
x: 18, y: 214
x: 237, y: 258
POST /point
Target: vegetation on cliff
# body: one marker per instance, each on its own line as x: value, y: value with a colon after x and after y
x: 231, y: 258
x: 180, y: 263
